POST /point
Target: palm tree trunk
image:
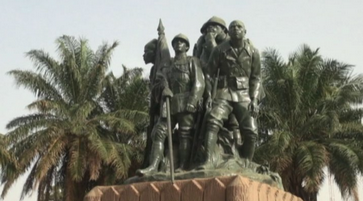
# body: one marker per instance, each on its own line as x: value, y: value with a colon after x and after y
x: 307, y: 196
x: 75, y: 191
x: 297, y: 190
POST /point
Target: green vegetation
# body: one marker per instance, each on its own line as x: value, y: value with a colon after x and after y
x: 87, y: 127
x: 311, y: 119
x: 84, y: 126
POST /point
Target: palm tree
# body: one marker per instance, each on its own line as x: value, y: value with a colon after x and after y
x: 6, y: 158
x: 311, y: 119
x: 127, y: 97
x: 67, y: 140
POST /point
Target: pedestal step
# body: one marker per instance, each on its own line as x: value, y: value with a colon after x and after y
x: 230, y: 188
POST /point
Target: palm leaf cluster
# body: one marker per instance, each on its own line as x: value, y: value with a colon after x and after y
x: 76, y: 137
x: 311, y: 119
x: 127, y: 97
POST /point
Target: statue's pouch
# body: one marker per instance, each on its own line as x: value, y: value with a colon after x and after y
x: 241, y: 82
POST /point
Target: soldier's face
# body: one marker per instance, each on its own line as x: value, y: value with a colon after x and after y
x: 180, y: 45
x: 214, y: 28
x: 236, y: 31
x: 149, y: 56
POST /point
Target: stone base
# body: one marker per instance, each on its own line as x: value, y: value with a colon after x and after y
x: 228, y: 188
x: 271, y: 178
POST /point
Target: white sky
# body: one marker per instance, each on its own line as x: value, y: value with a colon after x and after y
x: 335, y: 26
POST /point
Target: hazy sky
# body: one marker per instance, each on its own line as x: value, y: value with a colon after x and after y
x: 334, y: 26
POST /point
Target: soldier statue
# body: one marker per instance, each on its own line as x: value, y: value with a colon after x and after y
x: 184, y: 85
x: 215, y: 32
x: 238, y: 64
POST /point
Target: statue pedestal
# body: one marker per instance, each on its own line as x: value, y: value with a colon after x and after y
x: 227, y: 188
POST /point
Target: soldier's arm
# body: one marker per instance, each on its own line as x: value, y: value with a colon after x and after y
x: 255, y: 77
x: 162, y: 76
x: 210, y: 44
x: 162, y: 81
x: 210, y: 71
x: 198, y: 47
x: 198, y: 82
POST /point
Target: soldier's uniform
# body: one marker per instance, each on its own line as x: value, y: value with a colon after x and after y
x: 203, y: 49
x: 186, y: 81
x: 238, y: 83
x: 184, y: 77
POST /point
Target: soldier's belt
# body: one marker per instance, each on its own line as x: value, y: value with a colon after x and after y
x: 233, y: 82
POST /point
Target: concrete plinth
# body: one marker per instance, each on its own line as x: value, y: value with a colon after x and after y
x: 231, y: 188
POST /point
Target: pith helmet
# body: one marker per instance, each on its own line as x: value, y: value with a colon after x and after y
x: 182, y: 37
x: 214, y: 20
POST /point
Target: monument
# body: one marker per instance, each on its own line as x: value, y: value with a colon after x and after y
x: 202, y: 133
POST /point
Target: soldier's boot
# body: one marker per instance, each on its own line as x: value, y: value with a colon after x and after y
x: 184, y: 154
x: 237, y: 137
x: 155, y: 158
x: 210, y: 145
x: 247, y: 149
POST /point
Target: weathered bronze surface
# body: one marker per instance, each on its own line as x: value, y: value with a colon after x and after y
x: 183, y: 83
x: 213, y: 106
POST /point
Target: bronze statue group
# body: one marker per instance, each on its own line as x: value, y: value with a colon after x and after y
x: 207, y: 102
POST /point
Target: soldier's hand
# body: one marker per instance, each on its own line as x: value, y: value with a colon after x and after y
x: 211, y: 36
x: 167, y: 93
x: 191, y: 108
x: 253, y: 108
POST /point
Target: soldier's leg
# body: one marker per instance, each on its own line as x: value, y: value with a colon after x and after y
x: 219, y: 113
x: 248, y: 128
x: 159, y: 134
x: 232, y: 125
x: 186, y: 122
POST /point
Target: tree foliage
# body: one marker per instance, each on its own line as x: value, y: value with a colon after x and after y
x: 311, y: 119
x: 76, y: 136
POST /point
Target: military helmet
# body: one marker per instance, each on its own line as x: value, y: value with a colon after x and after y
x: 182, y: 37
x: 214, y: 20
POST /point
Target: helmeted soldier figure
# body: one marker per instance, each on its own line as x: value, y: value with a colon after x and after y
x: 184, y: 84
x: 237, y: 90
x: 215, y: 32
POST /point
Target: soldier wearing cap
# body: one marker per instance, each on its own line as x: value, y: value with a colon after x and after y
x: 184, y: 85
x: 237, y: 92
